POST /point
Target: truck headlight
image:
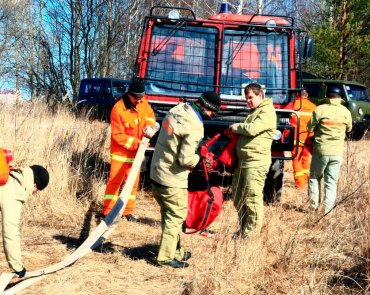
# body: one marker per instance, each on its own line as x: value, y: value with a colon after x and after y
x: 277, y: 135
x: 360, y: 111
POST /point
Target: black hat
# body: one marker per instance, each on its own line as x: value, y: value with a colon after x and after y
x: 40, y: 176
x: 211, y: 101
x: 137, y: 88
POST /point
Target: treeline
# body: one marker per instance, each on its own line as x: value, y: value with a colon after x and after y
x: 48, y: 46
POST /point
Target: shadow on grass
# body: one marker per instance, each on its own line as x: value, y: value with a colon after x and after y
x: 287, y: 206
x: 149, y: 221
x: 355, y: 278
x: 145, y: 252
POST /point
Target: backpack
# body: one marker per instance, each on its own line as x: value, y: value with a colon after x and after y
x: 203, y: 206
x: 6, y: 157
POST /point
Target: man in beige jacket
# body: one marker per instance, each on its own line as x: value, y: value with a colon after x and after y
x: 330, y: 121
x: 254, y: 153
x: 21, y: 184
x: 174, y: 155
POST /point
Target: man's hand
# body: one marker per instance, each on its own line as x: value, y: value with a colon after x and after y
x: 21, y: 273
x: 230, y: 130
x: 149, y: 131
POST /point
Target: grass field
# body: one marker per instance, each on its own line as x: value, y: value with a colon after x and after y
x: 296, y: 253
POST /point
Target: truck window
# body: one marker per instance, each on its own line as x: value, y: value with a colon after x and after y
x: 181, y: 60
x: 357, y: 93
x: 255, y: 57
x: 313, y: 90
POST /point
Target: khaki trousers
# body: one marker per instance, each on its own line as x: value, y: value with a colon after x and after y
x: 247, y: 189
x: 174, y: 208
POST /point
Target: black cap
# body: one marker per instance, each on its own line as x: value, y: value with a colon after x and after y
x: 40, y: 176
x: 210, y: 100
x: 137, y: 88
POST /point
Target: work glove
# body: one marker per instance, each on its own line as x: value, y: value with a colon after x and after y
x: 149, y: 131
x: 21, y: 273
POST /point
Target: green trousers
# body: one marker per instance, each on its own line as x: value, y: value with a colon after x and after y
x: 327, y: 167
x: 174, y: 208
x: 247, y: 189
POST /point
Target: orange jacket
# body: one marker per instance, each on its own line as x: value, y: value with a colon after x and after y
x: 304, y: 108
x: 127, y: 126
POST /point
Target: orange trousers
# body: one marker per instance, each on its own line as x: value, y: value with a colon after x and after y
x: 117, y: 178
x: 301, y: 167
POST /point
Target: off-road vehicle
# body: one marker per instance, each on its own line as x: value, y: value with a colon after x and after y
x: 355, y: 97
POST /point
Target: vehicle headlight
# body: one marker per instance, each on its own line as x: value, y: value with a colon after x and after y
x: 277, y: 135
x: 360, y: 111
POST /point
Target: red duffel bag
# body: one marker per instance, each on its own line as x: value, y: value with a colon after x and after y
x: 203, y: 207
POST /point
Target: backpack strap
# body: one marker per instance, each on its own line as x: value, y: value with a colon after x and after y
x: 15, y: 177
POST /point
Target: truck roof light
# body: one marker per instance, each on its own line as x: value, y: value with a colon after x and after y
x: 174, y: 14
x: 225, y: 7
x: 271, y: 24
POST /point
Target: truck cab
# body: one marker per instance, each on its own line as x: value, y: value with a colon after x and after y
x: 181, y: 56
x: 355, y: 97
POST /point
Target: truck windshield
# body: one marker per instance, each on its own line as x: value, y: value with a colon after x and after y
x: 182, y: 64
x: 255, y: 57
x: 357, y: 93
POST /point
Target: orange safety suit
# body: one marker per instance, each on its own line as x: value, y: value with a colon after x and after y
x: 302, y: 161
x: 127, y: 124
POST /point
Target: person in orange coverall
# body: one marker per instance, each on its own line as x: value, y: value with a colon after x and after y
x: 301, y: 163
x: 129, y: 117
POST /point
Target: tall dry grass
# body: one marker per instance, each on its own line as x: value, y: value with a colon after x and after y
x: 296, y: 253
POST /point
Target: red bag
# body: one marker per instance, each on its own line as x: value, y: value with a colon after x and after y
x: 203, y: 208
x: 228, y: 154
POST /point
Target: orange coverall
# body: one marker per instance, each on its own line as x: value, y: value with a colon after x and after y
x: 127, y: 124
x: 301, y: 163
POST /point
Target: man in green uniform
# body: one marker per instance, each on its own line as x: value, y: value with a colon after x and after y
x: 21, y: 184
x: 330, y: 122
x: 254, y: 153
x: 174, y: 155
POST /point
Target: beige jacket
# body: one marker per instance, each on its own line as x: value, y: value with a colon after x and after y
x: 330, y: 122
x: 175, y: 151
x: 256, y: 133
x: 12, y: 197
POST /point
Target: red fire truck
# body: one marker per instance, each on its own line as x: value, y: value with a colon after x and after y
x: 180, y: 56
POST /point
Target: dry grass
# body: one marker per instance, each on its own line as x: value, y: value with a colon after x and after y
x: 297, y: 253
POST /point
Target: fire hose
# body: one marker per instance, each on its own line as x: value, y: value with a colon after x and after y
x: 96, y: 238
